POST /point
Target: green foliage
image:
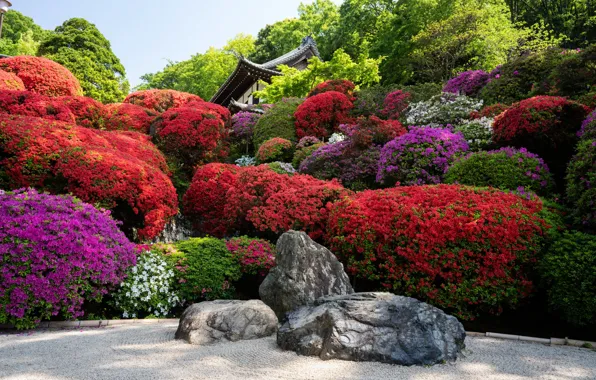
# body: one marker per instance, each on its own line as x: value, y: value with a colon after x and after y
x: 568, y: 270
x: 302, y: 154
x: 20, y: 35
x: 80, y: 47
x: 278, y: 121
x: 581, y: 181
x: 363, y: 71
x: 319, y: 20
x: 206, y: 268
x: 202, y: 74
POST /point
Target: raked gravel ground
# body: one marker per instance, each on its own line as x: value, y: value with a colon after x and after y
x: 148, y: 352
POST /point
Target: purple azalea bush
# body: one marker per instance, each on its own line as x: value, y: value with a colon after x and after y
x: 56, y: 252
x: 243, y: 124
x: 505, y: 168
x: 468, y: 83
x: 419, y: 157
x: 307, y: 141
x: 588, y: 129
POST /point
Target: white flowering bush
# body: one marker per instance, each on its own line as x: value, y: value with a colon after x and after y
x: 336, y: 137
x: 478, y: 133
x: 148, y: 289
x: 246, y: 161
x: 444, y: 109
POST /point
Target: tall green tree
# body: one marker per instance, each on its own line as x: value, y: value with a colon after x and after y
x: 20, y: 35
x: 204, y: 73
x: 82, y: 48
x: 319, y: 20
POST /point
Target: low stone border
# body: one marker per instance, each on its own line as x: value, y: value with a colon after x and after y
x: 119, y: 322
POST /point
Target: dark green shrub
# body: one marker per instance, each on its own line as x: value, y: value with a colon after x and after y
x: 302, y: 154
x: 506, y: 169
x: 206, y: 269
x: 581, y: 185
x: 278, y: 121
x: 574, y: 76
x: 568, y: 270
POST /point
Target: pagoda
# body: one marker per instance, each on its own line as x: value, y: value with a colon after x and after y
x: 237, y: 92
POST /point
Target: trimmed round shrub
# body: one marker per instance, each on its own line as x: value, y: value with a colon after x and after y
x: 206, y: 268
x: 545, y: 125
x: 461, y: 249
x: 28, y: 103
x: 276, y: 149
x: 395, y: 104
x: 373, y: 131
x: 266, y: 201
x: 129, y: 117
x: 303, y: 153
x: 569, y: 272
x: 505, y: 169
x: 322, y: 114
x: 161, y: 100
x: 223, y: 113
x: 419, y: 157
x: 88, y: 112
x: 588, y: 129
x: 9, y: 81
x: 442, y: 110
x: 121, y: 171
x: 346, y: 87
x: 468, y: 83
x: 205, y: 201
x: 149, y: 288
x: 581, y: 184
x: 56, y: 253
x: 489, y: 111
x: 43, y: 76
x: 256, y: 256
x: 477, y: 132
x: 307, y: 141
x: 277, y: 121
x: 282, y: 168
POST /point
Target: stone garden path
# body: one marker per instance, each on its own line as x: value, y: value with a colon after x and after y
x: 147, y: 352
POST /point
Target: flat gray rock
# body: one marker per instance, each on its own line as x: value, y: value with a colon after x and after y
x: 222, y: 320
x: 373, y: 327
x: 304, y: 272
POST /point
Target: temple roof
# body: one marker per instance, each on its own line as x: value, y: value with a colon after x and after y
x: 247, y: 72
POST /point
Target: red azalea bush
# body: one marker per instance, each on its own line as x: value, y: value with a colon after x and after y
x: 396, y: 103
x: 321, y: 115
x: 459, y: 248
x: 129, y: 117
x: 276, y: 203
x: 9, y: 81
x: 223, y: 113
x: 63, y: 158
x: 205, y: 201
x: 489, y: 111
x: 256, y: 256
x: 43, y: 76
x: 545, y: 125
x: 275, y: 150
x: 344, y: 86
x: 372, y: 130
x: 88, y: 112
x: 56, y: 252
x: 28, y: 103
x: 161, y: 100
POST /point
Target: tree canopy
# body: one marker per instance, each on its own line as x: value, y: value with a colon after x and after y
x: 20, y: 35
x: 82, y: 48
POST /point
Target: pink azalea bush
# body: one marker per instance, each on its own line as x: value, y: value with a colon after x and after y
x: 256, y: 256
x: 56, y: 252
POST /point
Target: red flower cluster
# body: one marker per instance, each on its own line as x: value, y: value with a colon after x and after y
x: 372, y: 130
x: 128, y: 117
x: 28, y: 103
x: 322, y: 114
x: 545, y: 125
x: 346, y: 87
x: 87, y: 112
x: 43, y: 76
x: 191, y: 135
x: 224, y: 199
x: 222, y: 112
x: 9, y: 81
x: 276, y: 149
x: 489, y: 111
x: 121, y: 171
x: 459, y: 248
x: 396, y: 103
x: 161, y: 100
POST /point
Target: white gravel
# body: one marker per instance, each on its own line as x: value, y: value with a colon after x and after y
x: 147, y: 352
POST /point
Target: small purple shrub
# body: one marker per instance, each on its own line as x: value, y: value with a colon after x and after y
x: 468, y: 83
x: 419, y: 157
x: 56, y: 252
x: 243, y: 124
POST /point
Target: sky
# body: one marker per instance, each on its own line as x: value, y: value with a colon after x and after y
x: 145, y: 34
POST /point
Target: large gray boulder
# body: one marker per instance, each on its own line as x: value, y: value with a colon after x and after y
x: 304, y: 272
x: 373, y: 327
x: 214, y: 321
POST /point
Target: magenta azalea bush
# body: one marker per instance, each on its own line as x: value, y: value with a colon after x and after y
x: 419, y: 157
x: 256, y: 256
x: 56, y: 252
x: 468, y: 83
x: 243, y: 124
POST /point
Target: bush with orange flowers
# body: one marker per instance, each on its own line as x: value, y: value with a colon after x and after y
x: 9, y: 81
